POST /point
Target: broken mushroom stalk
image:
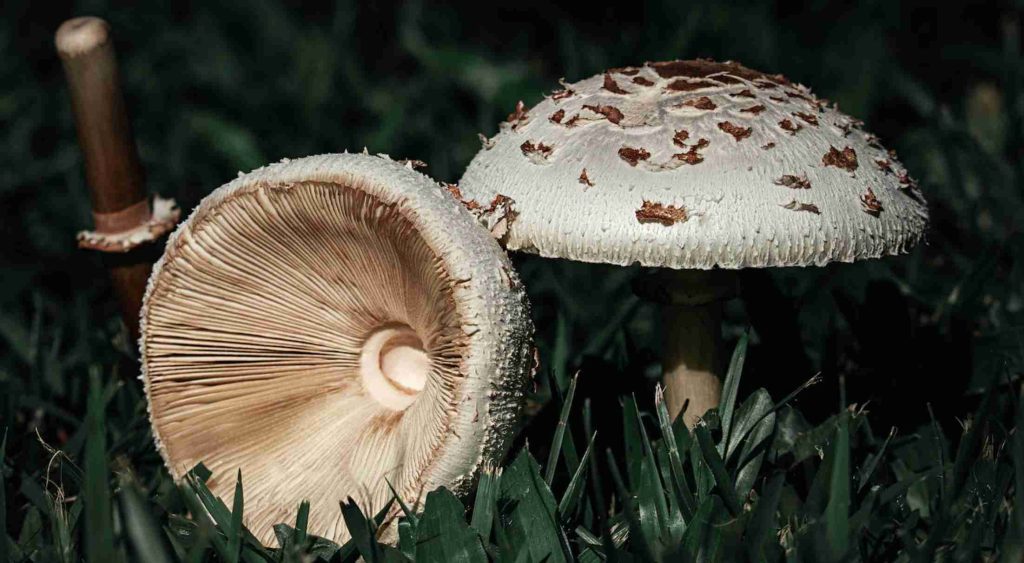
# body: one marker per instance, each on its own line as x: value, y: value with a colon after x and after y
x: 693, y: 168
x: 126, y: 221
x: 328, y: 326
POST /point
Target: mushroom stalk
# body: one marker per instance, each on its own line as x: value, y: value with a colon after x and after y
x: 691, y: 359
x: 691, y: 309
x: 122, y: 214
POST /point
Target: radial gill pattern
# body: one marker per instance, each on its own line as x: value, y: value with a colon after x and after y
x: 307, y: 333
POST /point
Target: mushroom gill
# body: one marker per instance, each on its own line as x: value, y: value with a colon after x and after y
x: 308, y: 334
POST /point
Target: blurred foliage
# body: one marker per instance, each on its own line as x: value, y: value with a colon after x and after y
x: 217, y: 88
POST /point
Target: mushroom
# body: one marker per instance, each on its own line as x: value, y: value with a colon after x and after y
x: 696, y: 168
x: 328, y: 326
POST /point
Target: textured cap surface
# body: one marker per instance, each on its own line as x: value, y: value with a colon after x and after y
x: 693, y: 164
x: 324, y: 324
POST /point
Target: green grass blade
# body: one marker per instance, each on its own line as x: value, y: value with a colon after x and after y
x: 837, y: 511
x: 4, y: 552
x: 301, y: 524
x: 408, y: 512
x: 727, y: 403
x: 574, y: 491
x: 725, y: 486
x: 556, y: 442
x: 443, y: 532
x: 141, y: 530
x: 763, y: 524
x: 684, y: 497
x: 653, y: 478
x: 99, y: 531
x: 234, y: 533
x: 864, y: 476
x: 636, y: 531
x: 485, y: 505
x: 362, y: 531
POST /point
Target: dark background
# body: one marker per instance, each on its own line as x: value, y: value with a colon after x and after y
x: 214, y: 90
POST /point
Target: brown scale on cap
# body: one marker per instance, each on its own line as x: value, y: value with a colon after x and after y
x: 870, y: 204
x: 470, y: 204
x: 885, y: 165
x: 768, y: 146
x: 692, y: 156
x: 612, y: 86
x: 643, y: 81
x: 559, y: 95
x: 611, y: 113
x: 557, y: 116
x: 790, y: 127
x: 794, y: 182
x: 540, y: 149
x: 845, y: 159
x: 845, y: 127
x: 737, y: 132
x: 702, y: 102
x: 414, y: 163
x: 487, y: 143
x: 633, y: 155
x: 519, y: 116
x: 754, y: 109
x: 807, y: 117
x: 746, y: 93
x: 777, y: 99
x: 680, y: 137
x: 668, y: 215
x: 572, y: 121
x: 627, y: 70
x: 872, y: 141
x: 766, y: 85
x: 798, y: 206
x: 906, y: 181
x: 799, y: 96
x: 684, y: 85
x: 585, y: 180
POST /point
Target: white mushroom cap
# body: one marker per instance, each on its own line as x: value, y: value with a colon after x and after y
x: 326, y: 323
x: 694, y: 164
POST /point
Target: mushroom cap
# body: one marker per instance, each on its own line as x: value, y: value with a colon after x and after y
x: 326, y: 323
x: 694, y: 164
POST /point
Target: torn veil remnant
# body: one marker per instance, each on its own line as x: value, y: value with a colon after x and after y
x: 714, y: 141
x: 340, y: 316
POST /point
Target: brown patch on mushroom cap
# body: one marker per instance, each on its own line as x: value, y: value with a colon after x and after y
x: 557, y: 116
x: 488, y: 144
x: 798, y: 206
x: 769, y: 145
x: 702, y: 68
x: 788, y: 125
x: 519, y: 116
x: 454, y: 190
x: 643, y: 81
x: 572, y: 121
x: 737, y: 132
x: 679, y: 138
x: 845, y: 159
x: 627, y: 70
x: 794, y: 182
x: 668, y: 215
x: 611, y: 113
x: 872, y: 141
x: 754, y: 109
x: 585, y: 180
x: 870, y: 204
x: 702, y: 102
x: 765, y: 84
x: 633, y: 155
x: 807, y: 117
x: 692, y: 156
x: 799, y: 96
x: 413, y: 163
x: 885, y: 165
x: 746, y: 93
x: 684, y: 85
x: 559, y: 95
x: 906, y: 181
x: 612, y: 86
x: 538, y: 149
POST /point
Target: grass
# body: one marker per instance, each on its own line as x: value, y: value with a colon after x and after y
x: 905, y: 449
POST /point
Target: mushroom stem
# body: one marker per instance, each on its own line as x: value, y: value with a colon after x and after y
x: 691, y: 358
x: 691, y: 307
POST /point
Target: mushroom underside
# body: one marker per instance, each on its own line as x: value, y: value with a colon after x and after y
x: 307, y: 335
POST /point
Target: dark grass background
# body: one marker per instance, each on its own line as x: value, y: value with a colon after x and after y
x: 213, y: 90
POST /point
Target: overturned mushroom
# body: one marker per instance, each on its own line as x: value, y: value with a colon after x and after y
x: 328, y: 323
x: 690, y: 174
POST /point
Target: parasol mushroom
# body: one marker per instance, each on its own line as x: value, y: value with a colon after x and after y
x: 695, y: 168
x: 328, y: 323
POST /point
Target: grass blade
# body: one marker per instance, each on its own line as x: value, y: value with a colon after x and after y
x: 142, y: 531
x: 727, y: 404
x: 301, y: 524
x: 636, y: 532
x: 556, y: 442
x: 235, y: 531
x: 99, y: 531
x: 574, y: 491
x: 486, y: 501
x: 4, y: 554
x: 837, y: 511
x: 687, y: 505
x: 725, y: 488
